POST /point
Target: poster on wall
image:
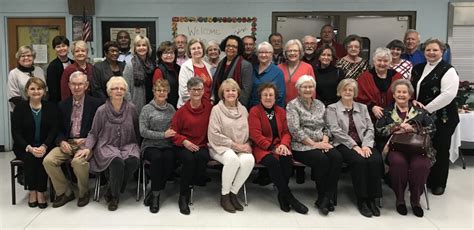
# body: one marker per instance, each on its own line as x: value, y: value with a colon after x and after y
x: 214, y: 28
x: 134, y: 28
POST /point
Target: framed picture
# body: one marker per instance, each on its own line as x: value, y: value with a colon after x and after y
x: 134, y: 28
x: 82, y: 26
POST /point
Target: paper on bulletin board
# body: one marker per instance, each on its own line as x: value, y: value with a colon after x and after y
x: 41, y: 53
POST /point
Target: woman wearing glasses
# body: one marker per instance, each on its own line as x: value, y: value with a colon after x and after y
x: 168, y: 69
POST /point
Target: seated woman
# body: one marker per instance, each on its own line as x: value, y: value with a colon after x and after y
x: 157, y: 148
x: 114, y: 139
x: 350, y: 125
x: 190, y: 123
x: 406, y: 168
x: 229, y: 143
x: 270, y: 145
x: 310, y: 142
x: 34, y: 130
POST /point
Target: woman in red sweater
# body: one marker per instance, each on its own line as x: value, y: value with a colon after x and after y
x: 271, y: 145
x: 190, y: 123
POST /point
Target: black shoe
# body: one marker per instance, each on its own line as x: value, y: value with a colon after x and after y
x: 43, y: 205
x: 417, y: 210
x: 300, y: 177
x: 284, y: 205
x: 113, y: 204
x: 183, y: 205
x: 154, y: 203
x: 402, y: 209
x: 296, y: 205
x: 363, y: 209
x: 438, y: 191
x: 323, y: 205
x: 33, y: 204
x: 331, y: 207
x: 235, y: 202
x: 62, y: 200
x: 373, y: 208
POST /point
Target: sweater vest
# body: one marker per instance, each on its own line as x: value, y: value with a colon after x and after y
x: 430, y: 88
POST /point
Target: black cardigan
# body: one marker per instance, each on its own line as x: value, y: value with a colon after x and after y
x: 23, y: 125
x: 53, y: 79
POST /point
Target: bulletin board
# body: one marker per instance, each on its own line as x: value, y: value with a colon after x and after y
x: 214, y: 28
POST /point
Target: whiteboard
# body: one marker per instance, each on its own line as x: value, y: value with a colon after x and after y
x: 213, y: 28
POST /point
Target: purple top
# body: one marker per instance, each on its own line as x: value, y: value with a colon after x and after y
x: 113, y: 134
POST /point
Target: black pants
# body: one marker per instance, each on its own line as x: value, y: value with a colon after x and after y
x: 441, y: 142
x: 120, y: 172
x: 325, y: 169
x: 279, y: 171
x: 194, y: 166
x: 36, y: 178
x: 366, y: 173
x: 161, y: 166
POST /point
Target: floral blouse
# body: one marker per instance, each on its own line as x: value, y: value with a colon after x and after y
x: 305, y: 122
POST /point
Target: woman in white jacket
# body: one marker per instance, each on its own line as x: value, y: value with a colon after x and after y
x: 228, y: 136
x: 194, y: 67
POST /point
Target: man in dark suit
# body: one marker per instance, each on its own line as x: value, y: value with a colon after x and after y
x: 56, y: 67
x: 76, y: 116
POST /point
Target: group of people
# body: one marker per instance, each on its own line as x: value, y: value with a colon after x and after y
x: 318, y: 103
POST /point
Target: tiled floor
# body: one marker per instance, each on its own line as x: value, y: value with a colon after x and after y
x: 454, y: 210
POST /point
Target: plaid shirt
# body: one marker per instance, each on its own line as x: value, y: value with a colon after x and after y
x: 404, y: 68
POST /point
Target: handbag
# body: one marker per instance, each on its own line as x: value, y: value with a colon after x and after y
x: 411, y: 143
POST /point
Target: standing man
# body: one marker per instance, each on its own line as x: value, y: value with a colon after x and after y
x: 249, y: 51
x: 413, y: 54
x: 276, y: 40
x: 76, y: 116
x: 124, y: 40
x: 309, y: 46
x: 181, y: 41
x: 56, y: 67
x: 328, y: 37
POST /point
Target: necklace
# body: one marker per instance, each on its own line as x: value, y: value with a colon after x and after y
x: 270, y: 115
x: 35, y: 111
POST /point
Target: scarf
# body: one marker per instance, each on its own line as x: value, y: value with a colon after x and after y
x: 116, y: 117
x: 141, y: 70
x: 27, y: 70
x: 223, y: 72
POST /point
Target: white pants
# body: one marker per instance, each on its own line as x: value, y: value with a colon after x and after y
x: 236, y: 170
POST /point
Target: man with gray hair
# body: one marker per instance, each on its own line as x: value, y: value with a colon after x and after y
x: 412, y: 53
x: 309, y: 47
x: 181, y: 41
x: 76, y: 116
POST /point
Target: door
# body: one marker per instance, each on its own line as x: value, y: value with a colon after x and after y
x: 35, y: 32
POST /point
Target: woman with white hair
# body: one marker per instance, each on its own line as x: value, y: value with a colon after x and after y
x: 80, y: 52
x: 310, y: 142
x: 353, y: 136
x: 18, y: 77
x: 374, y: 84
x: 114, y: 138
x: 294, y: 68
x: 265, y: 72
x: 139, y: 72
x: 213, y: 53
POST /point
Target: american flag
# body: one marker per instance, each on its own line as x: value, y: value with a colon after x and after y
x: 86, y: 28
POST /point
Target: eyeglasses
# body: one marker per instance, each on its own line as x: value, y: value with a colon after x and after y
x: 26, y: 56
x: 292, y: 51
x: 196, y: 90
x: 307, y: 87
x: 118, y: 89
x: 231, y: 46
x: 77, y: 85
x: 114, y: 51
x: 168, y: 54
x: 265, y: 52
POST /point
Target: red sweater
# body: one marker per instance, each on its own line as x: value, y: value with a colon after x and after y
x: 290, y: 82
x: 191, y: 124
x: 370, y: 95
x: 65, y: 91
x: 261, y: 132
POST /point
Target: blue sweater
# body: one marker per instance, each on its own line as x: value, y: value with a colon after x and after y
x: 271, y: 74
